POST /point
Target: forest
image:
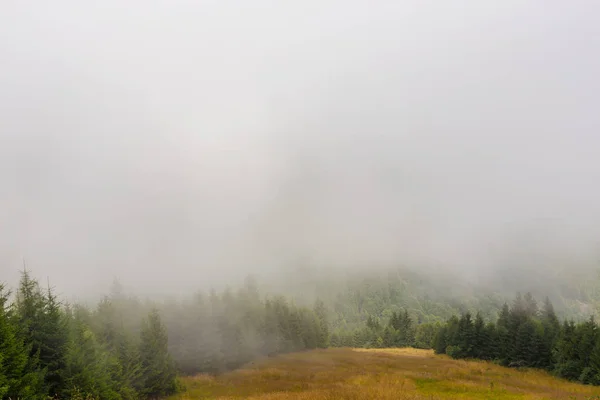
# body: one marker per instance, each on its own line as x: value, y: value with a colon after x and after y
x: 124, y: 347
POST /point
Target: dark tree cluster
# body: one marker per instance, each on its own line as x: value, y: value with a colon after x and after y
x: 48, y: 350
x: 526, y: 336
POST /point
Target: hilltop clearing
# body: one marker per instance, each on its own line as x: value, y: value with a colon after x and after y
x: 380, y: 374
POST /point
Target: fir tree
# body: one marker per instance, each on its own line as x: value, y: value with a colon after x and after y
x: 53, y: 344
x: 158, y: 370
x: 439, y: 342
x: 480, y: 339
x: 323, y: 324
x: 29, y: 316
x: 90, y: 369
x: 15, y: 380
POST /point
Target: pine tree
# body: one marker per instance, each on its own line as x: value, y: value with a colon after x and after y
x: 29, y: 316
x: 503, y: 317
x: 407, y: 333
x: 53, y: 344
x: 439, y: 342
x: 530, y: 305
x: 90, y: 369
x: 549, y: 316
x: 130, y: 367
x: 565, y: 354
x: 521, y: 354
x: 15, y: 380
x: 480, y: 339
x: 466, y: 337
x: 587, y: 338
x: 493, y: 346
x: 503, y: 334
x: 323, y: 324
x: 157, y: 367
x: 551, y: 330
x: 595, y: 364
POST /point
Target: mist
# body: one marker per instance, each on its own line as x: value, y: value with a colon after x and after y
x: 180, y: 144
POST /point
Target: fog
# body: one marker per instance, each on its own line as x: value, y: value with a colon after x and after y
x: 180, y: 144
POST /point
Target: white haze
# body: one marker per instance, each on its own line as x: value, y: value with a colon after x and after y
x: 180, y: 144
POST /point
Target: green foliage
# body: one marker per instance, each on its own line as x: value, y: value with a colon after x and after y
x: 15, y: 380
x: 124, y: 348
x: 90, y: 368
x: 322, y: 326
x: 158, y: 369
x: 526, y: 337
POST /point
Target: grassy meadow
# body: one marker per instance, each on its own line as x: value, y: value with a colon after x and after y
x: 379, y: 374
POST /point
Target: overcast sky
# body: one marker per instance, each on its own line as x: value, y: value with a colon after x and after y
x: 176, y: 144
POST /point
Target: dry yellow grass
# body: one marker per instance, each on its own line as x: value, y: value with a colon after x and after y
x: 379, y: 374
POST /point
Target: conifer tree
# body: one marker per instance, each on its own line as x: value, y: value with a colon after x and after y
x: 595, y: 364
x: 158, y: 370
x: 480, y: 339
x: 466, y: 337
x: 439, y: 342
x: 130, y: 378
x: 53, y: 344
x: 90, y: 369
x: 323, y: 324
x: 493, y: 348
x: 587, y: 338
x: 530, y: 305
x: 29, y: 316
x: 551, y: 330
x: 15, y: 380
x: 565, y: 354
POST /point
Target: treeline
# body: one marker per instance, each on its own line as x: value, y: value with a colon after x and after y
x: 125, y: 348
x: 400, y: 330
x: 353, y: 297
x: 523, y: 335
x: 429, y: 296
x: 526, y: 336
x: 218, y: 332
x: 48, y: 350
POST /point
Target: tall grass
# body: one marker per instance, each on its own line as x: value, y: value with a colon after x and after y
x: 379, y: 374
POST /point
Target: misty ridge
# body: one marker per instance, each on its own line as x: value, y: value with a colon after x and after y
x: 182, y: 146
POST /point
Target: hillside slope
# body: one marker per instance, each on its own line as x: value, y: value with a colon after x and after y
x: 379, y: 374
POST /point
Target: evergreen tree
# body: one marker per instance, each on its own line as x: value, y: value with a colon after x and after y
x: 595, y: 364
x: 503, y: 317
x: 158, y: 370
x: 465, y: 338
x: 29, y: 316
x: 89, y: 368
x: 587, y: 339
x: 551, y: 330
x: 440, y: 342
x: 53, y: 340
x: 493, y: 348
x: 565, y: 354
x: 530, y: 305
x: 523, y: 351
x: 15, y: 380
x: 130, y: 378
x: 323, y: 324
x: 481, y: 339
